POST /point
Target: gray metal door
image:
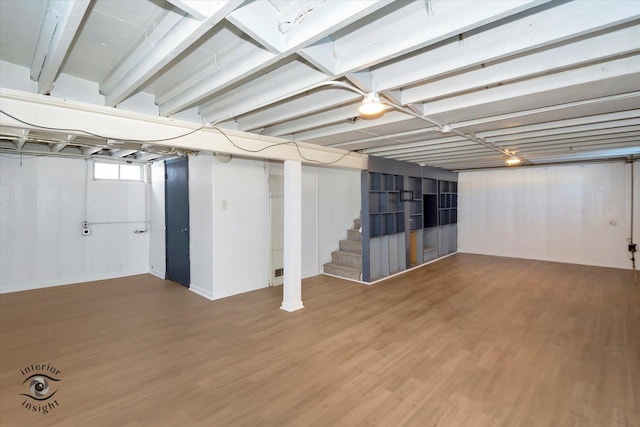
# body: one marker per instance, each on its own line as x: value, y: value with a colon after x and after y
x: 176, y: 208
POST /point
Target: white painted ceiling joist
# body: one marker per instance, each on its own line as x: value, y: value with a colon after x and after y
x: 136, y: 72
x: 315, y: 101
x: 522, y: 35
x: 62, y: 22
x: 411, y: 27
x: 627, y: 68
x: 595, y: 49
x: 200, y: 10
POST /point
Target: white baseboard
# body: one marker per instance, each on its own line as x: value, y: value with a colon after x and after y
x: 202, y: 292
x: 158, y: 274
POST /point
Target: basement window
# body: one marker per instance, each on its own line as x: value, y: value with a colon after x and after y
x: 117, y: 171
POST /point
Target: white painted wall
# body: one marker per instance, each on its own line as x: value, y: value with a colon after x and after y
x: 558, y: 213
x: 201, y: 236
x: 330, y: 203
x: 42, y: 204
x: 240, y: 226
x: 310, y: 226
x: 157, y: 256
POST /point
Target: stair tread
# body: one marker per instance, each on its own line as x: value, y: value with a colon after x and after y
x: 341, y: 252
x: 354, y: 236
x: 342, y: 266
x: 345, y: 272
x: 352, y: 242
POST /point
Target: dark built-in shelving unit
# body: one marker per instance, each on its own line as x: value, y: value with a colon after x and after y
x: 411, y: 216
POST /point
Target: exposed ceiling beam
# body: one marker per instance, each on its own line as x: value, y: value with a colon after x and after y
x: 620, y: 69
x: 490, y: 12
x: 631, y: 97
x: 450, y: 148
x: 24, y: 133
x: 286, y: 33
x: 118, y: 124
x: 318, y: 120
x: 527, y: 34
x: 213, y: 78
x: 389, y: 137
x: 630, y: 136
x: 528, y: 150
x: 260, y: 15
x: 359, y: 125
x: 470, y: 154
x: 60, y: 25
x: 404, y: 146
x: 135, y: 72
x: 553, y: 82
x: 56, y: 148
x: 274, y: 86
x: 123, y: 152
x: 259, y: 19
x: 145, y: 157
x: 577, y: 131
x: 200, y: 10
x: 454, y: 141
x: 315, y: 101
x: 409, y: 28
x: 588, y: 155
x: 525, y: 147
x: 595, y: 120
x: 365, y: 125
x: 594, y: 49
x: 88, y: 151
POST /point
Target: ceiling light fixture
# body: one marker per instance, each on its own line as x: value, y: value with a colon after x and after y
x: 513, y: 160
x: 371, y: 107
x: 445, y: 129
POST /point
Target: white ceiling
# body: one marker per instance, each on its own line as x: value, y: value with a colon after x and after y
x: 550, y: 81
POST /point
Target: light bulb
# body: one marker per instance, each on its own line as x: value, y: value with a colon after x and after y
x: 371, y: 106
x: 513, y: 160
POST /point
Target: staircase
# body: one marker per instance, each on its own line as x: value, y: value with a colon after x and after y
x: 347, y: 261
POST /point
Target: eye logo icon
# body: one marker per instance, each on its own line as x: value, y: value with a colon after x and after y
x: 39, y: 387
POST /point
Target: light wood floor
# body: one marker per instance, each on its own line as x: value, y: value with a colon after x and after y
x: 468, y: 341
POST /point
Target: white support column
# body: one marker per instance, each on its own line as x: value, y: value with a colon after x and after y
x: 292, y: 289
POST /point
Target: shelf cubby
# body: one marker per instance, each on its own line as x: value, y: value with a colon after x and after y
x: 429, y: 186
x: 385, y: 207
x: 430, y: 210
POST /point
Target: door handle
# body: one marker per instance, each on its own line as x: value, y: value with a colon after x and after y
x: 184, y: 230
